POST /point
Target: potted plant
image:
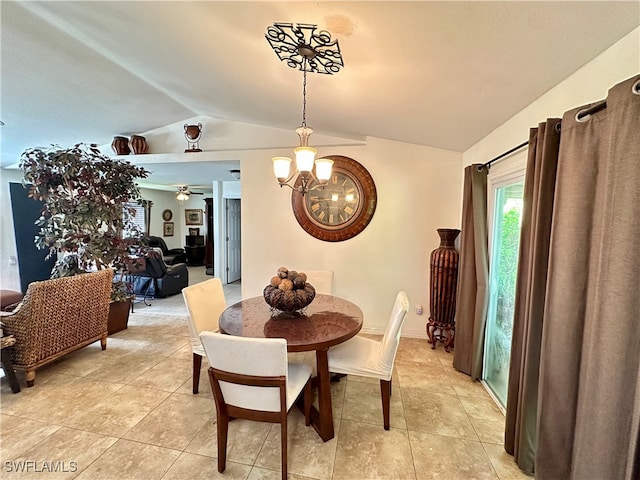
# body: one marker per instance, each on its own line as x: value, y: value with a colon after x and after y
x: 85, y: 219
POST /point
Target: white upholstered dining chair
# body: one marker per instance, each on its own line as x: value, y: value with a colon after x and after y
x: 205, y: 302
x: 251, y: 379
x: 322, y: 280
x: 365, y: 357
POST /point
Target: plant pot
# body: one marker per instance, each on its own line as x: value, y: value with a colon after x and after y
x: 118, y: 316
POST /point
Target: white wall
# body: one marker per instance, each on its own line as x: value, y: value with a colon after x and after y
x: 163, y: 200
x: 589, y: 84
x: 418, y: 191
x: 9, y: 274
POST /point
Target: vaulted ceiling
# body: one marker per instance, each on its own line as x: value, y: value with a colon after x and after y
x: 443, y: 74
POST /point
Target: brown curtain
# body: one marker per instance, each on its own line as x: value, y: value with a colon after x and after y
x: 589, y: 399
x: 473, y: 275
x: 578, y: 339
x: 535, y: 234
x: 147, y: 204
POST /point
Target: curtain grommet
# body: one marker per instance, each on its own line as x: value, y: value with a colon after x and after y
x: 583, y: 116
x: 635, y: 88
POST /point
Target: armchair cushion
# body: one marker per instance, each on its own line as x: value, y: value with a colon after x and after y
x: 159, y: 279
x: 171, y: 256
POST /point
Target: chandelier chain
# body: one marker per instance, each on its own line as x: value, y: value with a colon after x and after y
x: 304, y: 98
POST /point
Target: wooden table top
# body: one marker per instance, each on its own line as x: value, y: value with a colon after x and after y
x: 327, y: 321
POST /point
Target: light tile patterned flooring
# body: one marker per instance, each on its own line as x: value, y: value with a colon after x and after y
x: 128, y: 413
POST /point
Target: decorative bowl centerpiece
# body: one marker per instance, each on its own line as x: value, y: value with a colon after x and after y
x: 288, y: 291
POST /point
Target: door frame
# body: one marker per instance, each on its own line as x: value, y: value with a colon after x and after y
x: 508, y: 171
x: 226, y: 237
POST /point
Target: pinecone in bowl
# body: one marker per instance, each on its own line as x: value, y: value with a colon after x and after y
x: 288, y: 291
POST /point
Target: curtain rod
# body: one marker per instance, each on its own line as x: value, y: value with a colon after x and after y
x: 582, y: 116
x: 501, y: 156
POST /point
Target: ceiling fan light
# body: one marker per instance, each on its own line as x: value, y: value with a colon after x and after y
x: 181, y: 197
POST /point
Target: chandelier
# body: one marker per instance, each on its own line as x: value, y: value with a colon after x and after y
x: 301, y: 47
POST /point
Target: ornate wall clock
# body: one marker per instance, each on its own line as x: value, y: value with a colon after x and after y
x: 343, y: 208
x: 166, y: 215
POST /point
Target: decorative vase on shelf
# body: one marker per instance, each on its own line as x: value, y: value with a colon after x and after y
x: 444, y: 280
x: 120, y: 145
x: 138, y: 144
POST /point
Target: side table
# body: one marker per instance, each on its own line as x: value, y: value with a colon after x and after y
x: 8, y: 298
x: 7, y: 364
x: 195, y: 255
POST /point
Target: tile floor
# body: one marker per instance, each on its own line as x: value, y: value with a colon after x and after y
x: 128, y: 413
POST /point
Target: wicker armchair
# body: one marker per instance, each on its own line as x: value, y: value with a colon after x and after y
x: 57, y: 317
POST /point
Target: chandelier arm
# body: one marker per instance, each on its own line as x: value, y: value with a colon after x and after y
x: 287, y: 185
x: 291, y: 177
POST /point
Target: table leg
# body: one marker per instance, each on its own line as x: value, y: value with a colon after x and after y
x: 323, y: 422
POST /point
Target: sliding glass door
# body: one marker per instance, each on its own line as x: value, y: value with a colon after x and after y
x: 506, y: 198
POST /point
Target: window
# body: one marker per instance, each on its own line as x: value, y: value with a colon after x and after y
x: 134, y: 224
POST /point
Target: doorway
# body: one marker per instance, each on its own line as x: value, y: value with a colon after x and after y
x: 233, y: 239
x: 505, y: 203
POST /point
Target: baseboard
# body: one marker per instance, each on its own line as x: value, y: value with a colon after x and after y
x: 405, y: 333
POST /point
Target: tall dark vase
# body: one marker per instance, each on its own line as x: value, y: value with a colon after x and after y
x: 444, y: 280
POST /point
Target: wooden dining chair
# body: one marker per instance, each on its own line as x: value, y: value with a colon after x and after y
x: 251, y: 379
x: 205, y: 302
x: 365, y: 357
x: 322, y: 280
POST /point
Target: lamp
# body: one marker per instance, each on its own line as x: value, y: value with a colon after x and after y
x: 182, y: 195
x: 302, y: 48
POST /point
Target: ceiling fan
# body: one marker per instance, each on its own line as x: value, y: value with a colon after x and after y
x: 183, y: 193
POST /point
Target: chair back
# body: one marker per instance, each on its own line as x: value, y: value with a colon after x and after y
x: 205, y: 302
x: 322, y: 280
x: 244, y: 359
x: 155, y: 266
x: 58, y: 315
x: 389, y: 343
x: 157, y: 242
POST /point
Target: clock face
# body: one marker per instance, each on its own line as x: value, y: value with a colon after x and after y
x: 337, y: 204
x: 166, y: 215
x: 343, y: 207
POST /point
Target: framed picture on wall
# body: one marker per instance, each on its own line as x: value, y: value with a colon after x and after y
x: 167, y: 230
x: 193, y: 216
x: 194, y: 231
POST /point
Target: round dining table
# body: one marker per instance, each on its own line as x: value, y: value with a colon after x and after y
x: 326, y: 322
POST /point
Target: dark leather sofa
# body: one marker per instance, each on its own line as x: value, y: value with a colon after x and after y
x: 171, y: 256
x: 157, y: 279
